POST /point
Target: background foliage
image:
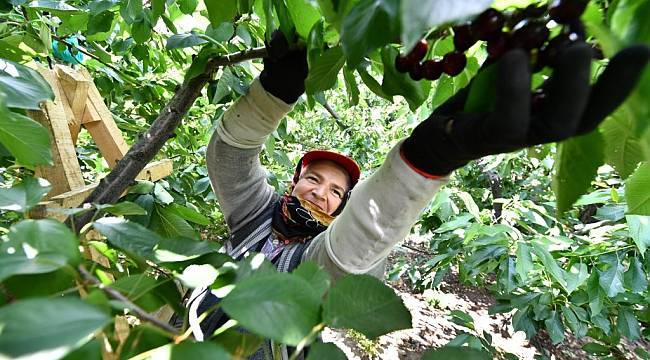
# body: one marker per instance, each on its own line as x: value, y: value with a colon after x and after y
x: 562, y: 246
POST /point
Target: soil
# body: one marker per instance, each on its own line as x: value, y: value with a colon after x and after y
x: 432, y: 326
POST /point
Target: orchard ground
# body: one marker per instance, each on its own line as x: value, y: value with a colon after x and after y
x: 432, y: 325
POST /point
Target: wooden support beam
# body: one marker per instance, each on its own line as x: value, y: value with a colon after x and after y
x: 75, y: 86
x: 65, y: 173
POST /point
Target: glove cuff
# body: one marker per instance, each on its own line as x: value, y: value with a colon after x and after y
x: 415, y: 168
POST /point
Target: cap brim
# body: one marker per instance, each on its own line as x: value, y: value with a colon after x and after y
x: 347, y: 163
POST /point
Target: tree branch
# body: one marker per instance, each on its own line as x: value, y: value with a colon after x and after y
x: 138, y: 311
x: 142, y: 152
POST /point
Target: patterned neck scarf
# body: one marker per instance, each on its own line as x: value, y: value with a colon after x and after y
x: 298, y: 221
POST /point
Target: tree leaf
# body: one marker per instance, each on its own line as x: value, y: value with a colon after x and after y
x: 636, y: 191
x: 578, y: 328
x: 418, y: 16
x: 365, y: 304
x: 639, y: 231
x: 182, y: 249
x: 555, y: 327
x: 220, y: 11
x: 100, y: 23
x: 318, y: 278
x: 550, y: 265
x: 576, y: 276
x: 576, y: 162
x: 627, y: 324
x: 168, y: 223
x: 184, y: 40
x: 70, y: 323
x: 351, y: 86
x: 45, y: 236
x: 596, y: 349
x: 396, y: 83
x: 24, y: 195
x: 147, y: 292
x: 304, y: 15
x: 524, y: 263
x: 369, y: 25
x: 635, y: 277
x: 27, y: 140
x: 23, y: 87
x: 611, y: 280
x: 190, y: 214
x: 521, y: 321
x: 18, y: 264
x: 622, y: 147
x: 323, y: 71
x: 124, y: 208
x: 329, y: 351
x: 128, y: 236
x: 188, y: 6
x: 282, y: 307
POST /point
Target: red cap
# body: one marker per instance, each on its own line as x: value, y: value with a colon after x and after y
x: 347, y: 163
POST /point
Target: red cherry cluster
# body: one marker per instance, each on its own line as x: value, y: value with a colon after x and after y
x: 522, y: 28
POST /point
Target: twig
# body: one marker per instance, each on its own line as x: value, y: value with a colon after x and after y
x: 85, y: 52
x: 139, y: 312
x: 329, y: 109
x: 141, y: 153
x: 416, y: 250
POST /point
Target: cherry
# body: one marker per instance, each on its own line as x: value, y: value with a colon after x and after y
x: 416, y: 72
x: 576, y: 27
x: 419, y: 51
x: 515, y: 18
x: 432, y: 69
x: 497, y: 46
x: 463, y: 37
x: 488, y: 24
x: 564, y: 11
x: 529, y: 34
x: 453, y: 63
x: 403, y: 64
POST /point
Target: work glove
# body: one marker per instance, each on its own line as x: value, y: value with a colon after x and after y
x: 285, y: 69
x: 450, y: 137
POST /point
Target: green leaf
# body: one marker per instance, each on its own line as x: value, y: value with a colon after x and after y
x: 639, y: 231
x: 167, y: 222
x: 184, y: 40
x: 636, y: 191
x: 595, y: 294
x: 324, y: 70
x: 220, y: 11
x: 18, y: 264
x: 365, y: 304
x: 147, y: 292
x: 190, y: 214
x: 124, y: 208
x: 627, y: 324
x: 329, y: 351
x: 27, y: 140
x: 555, y: 327
x: 100, y: 23
x: 596, y: 349
x: 622, y: 147
x: 550, y: 265
x: 182, y: 249
x: 45, y: 236
x: 157, y: 9
x: 521, y: 321
x: 460, y: 221
x: 611, y: 280
x: 52, y: 5
x: 70, y: 323
x: 23, y: 87
x: 576, y: 276
x: 281, y: 307
x: 524, y: 264
x: 304, y: 15
x: 455, y: 353
x: 576, y: 162
x: 578, y: 328
x: 396, y: 83
x: 131, y: 237
x: 188, y: 6
x: 24, y: 195
x: 141, y: 30
x: 369, y: 25
x: 418, y: 16
x: 351, y: 86
x: 190, y: 350
x: 318, y: 278
x: 373, y: 85
x: 635, y: 277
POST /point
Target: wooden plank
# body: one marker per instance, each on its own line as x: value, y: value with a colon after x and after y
x: 65, y: 173
x: 75, y: 86
x: 156, y: 170
x: 98, y: 120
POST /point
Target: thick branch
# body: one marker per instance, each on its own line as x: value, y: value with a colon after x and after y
x: 141, y: 153
x: 139, y: 312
